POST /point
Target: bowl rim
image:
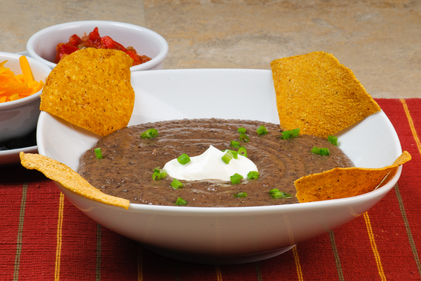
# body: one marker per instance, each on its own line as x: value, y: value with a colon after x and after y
x: 31, y: 98
x: 147, y: 65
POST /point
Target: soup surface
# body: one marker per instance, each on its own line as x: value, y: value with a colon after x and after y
x: 129, y: 161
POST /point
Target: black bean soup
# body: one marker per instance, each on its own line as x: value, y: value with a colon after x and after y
x: 129, y: 161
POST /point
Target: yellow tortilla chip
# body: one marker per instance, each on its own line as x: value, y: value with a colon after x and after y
x: 68, y: 178
x: 344, y: 182
x: 91, y: 88
x: 317, y: 94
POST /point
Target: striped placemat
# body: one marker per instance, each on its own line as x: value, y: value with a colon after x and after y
x: 44, y: 237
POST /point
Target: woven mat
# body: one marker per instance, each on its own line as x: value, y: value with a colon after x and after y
x: 44, y: 237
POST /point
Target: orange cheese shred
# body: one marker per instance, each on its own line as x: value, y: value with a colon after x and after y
x: 14, y: 87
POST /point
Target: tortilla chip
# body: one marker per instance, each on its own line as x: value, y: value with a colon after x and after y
x: 317, y: 94
x: 68, y: 178
x: 91, y: 88
x: 344, y: 182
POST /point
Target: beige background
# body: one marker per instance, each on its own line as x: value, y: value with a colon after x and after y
x: 379, y: 40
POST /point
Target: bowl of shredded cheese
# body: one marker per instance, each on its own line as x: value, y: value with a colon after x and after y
x: 21, y: 82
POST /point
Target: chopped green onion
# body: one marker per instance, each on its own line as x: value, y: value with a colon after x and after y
x: 156, y: 176
x: 333, y: 140
x: 262, y: 130
x: 244, y: 138
x: 236, y: 178
x: 325, y: 151
x: 163, y: 174
x: 253, y: 175
x: 227, y: 156
x: 176, y: 184
x: 180, y: 202
x: 240, y: 195
x: 276, y: 194
x: 242, y: 151
x: 183, y: 159
x: 320, y: 151
x: 242, y: 130
x: 290, y: 134
x: 235, y: 144
x: 98, y: 153
x: 159, y: 174
x: 149, y: 134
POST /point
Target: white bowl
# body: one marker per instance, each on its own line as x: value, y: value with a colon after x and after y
x: 19, y: 117
x: 42, y: 45
x: 221, y: 235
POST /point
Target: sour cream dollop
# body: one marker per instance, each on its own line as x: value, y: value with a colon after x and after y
x: 209, y: 166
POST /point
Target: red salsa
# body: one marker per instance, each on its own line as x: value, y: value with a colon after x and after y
x: 93, y: 40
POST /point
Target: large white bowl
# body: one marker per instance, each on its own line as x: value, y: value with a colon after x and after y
x: 42, y: 45
x: 221, y: 235
x: 19, y: 117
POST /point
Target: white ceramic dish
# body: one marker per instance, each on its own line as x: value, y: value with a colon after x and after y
x: 18, y: 118
x: 42, y: 45
x: 11, y: 156
x: 220, y: 235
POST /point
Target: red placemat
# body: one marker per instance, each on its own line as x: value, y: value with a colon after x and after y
x: 44, y: 237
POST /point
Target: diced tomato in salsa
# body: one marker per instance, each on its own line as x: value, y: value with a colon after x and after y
x: 94, y: 40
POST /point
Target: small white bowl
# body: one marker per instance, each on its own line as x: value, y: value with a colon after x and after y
x: 221, y: 234
x: 42, y: 45
x: 18, y: 118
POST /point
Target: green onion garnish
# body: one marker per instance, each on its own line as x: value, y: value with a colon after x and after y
x: 333, y: 140
x: 290, y: 134
x: 180, y: 202
x: 240, y: 195
x: 227, y: 156
x: 149, y: 134
x: 275, y: 193
x: 253, y: 175
x: 242, y: 151
x: 235, y: 144
x: 244, y: 138
x: 176, y: 184
x: 241, y: 130
x: 183, y: 159
x: 320, y: 151
x: 98, y: 153
x: 159, y: 174
x: 262, y: 130
x: 156, y: 175
x: 236, y: 178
